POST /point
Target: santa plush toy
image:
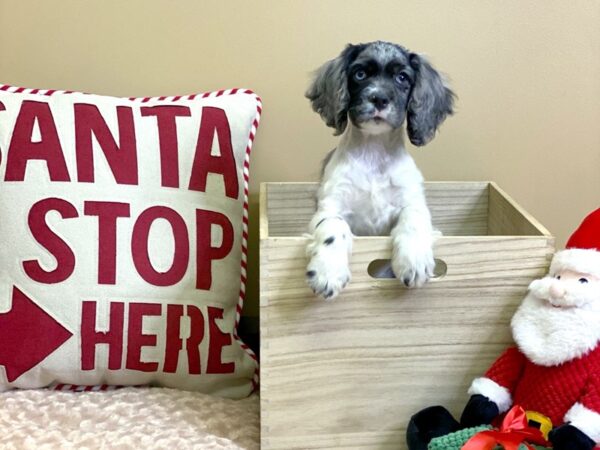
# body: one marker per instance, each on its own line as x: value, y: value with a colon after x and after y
x: 553, y: 372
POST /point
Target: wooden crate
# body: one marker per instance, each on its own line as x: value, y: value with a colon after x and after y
x: 349, y: 373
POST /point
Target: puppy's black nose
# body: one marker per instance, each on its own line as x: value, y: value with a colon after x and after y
x: 380, y: 101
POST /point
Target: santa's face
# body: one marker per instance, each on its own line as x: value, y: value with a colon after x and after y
x: 569, y: 289
x: 560, y: 318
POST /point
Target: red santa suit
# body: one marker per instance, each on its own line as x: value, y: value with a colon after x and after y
x: 555, y: 368
x: 552, y: 391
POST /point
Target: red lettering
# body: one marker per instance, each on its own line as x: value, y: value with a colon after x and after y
x: 214, y: 121
x: 205, y: 252
x: 136, y: 339
x: 218, y: 340
x: 196, y: 336
x: 167, y: 137
x: 107, y: 213
x: 23, y: 147
x: 174, y: 343
x: 90, y: 337
x: 139, y: 246
x: 122, y: 157
x: 65, y: 258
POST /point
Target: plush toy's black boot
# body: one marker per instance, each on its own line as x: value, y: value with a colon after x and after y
x: 427, y: 424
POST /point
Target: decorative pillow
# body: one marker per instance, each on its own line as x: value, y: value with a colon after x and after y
x: 123, y: 228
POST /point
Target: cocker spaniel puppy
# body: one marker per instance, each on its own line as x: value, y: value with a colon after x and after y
x: 370, y: 184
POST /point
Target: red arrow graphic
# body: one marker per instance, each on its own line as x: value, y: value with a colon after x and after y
x: 27, y: 336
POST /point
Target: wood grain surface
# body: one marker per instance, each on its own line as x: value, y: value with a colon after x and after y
x: 349, y: 373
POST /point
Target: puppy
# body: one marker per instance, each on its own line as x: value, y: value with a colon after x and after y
x: 370, y: 184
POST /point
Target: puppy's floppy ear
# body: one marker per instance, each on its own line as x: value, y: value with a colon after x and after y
x: 430, y: 102
x: 328, y: 92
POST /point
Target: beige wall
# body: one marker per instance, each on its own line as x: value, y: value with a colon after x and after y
x: 527, y: 74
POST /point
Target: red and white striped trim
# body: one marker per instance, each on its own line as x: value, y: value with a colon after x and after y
x: 245, y: 174
x: 244, y: 260
x: 22, y: 90
x: 80, y: 388
x: 173, y: 98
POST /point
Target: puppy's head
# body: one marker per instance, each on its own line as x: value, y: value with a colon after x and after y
x: 379, y: 85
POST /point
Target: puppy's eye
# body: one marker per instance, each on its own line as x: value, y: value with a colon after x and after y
x: 558, y: 277
x: 360, y: 75
x: 401, y: 78
x: 583, y: 280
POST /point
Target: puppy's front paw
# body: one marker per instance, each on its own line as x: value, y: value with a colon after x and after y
x: 412, y: 262
x: 327, y: 272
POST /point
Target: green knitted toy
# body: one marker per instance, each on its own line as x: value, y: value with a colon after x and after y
x: 455, y: 441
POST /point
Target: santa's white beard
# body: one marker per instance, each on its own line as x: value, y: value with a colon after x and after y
x: 550, y: 335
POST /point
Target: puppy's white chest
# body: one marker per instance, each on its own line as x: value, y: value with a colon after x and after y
x: 373, y: 205
x: 369, y: 186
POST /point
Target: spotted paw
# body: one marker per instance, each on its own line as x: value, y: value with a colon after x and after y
x: 327, y: 274
x: 328, y: 253
x: 413, y: 263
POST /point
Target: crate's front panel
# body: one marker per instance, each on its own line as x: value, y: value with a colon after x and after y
x: 349, y: 373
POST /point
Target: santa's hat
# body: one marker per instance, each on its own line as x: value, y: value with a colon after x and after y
x: 582, y: 253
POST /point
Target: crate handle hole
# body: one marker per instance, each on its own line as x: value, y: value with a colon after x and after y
x: 382, y: 269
